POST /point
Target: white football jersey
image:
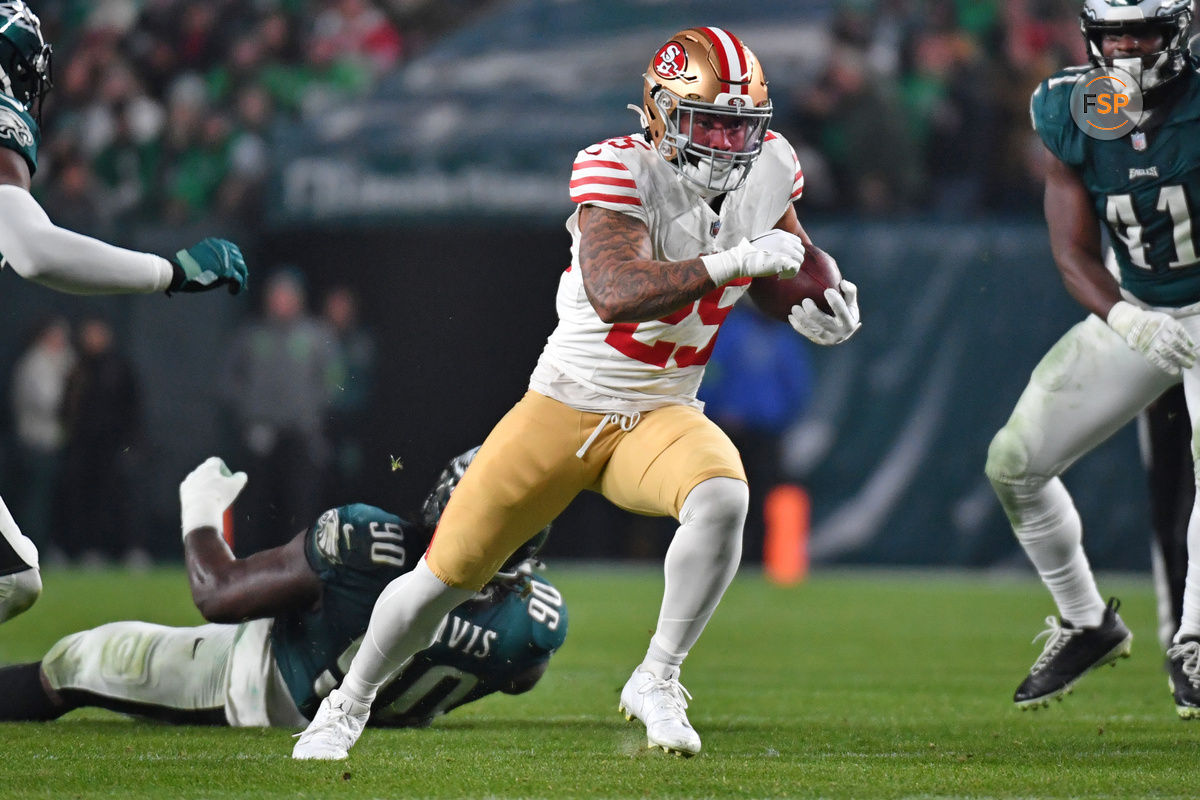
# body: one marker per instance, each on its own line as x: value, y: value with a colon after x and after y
x: 596, y: 366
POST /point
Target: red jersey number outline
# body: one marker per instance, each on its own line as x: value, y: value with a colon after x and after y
x: 620, y: 143
x: 620, y: 338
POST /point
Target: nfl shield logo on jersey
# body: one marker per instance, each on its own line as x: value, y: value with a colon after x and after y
x: 715, y: 228
x: 1138, y: 140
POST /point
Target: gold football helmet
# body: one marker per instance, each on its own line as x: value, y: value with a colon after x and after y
x: 705, y: 108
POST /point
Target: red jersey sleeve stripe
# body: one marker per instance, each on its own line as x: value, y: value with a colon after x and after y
x: 604, y: 181
x: 604, y: 198
x: 600, y: 164
x: 798, y: 185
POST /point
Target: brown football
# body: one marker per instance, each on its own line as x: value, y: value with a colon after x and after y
x: 776, y: 296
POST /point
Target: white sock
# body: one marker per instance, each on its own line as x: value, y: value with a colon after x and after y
x: 1047, y: 525
x: 404, y: 620
x: 1189, y: 625
x: 700, y: 563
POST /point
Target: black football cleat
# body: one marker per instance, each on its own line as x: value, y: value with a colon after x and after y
x: 1183, y: 664
x: 1070, y: 653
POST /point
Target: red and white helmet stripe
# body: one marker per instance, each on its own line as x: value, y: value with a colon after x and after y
x: 735, y: 69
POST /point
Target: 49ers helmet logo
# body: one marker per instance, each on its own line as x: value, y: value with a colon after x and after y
x: 671, y: 60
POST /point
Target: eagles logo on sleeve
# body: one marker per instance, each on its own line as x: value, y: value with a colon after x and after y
x: 13, y: 127
x: 325, y: 536
x: 18, y: 131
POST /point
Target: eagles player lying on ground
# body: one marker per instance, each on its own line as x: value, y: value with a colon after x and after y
x: 37, y: 249
x: 288, y: 620
x: 1138, y: 341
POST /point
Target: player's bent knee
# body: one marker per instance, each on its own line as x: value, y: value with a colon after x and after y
x: 18, y: 592
x: 1007, y: 458
x: 722, y: 501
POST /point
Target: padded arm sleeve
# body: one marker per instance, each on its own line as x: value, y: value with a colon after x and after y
x: 40, y: 251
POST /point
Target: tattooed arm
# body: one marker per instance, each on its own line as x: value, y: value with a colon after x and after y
x: 622, y: 281
x: 624, y: 284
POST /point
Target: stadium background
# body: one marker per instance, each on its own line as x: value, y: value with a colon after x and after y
x: 431, y: 174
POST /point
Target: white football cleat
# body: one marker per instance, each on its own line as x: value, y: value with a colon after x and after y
x: 660, y: 703
x: 334, y: 730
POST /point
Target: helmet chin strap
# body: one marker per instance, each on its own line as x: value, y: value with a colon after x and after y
x: 1147, y: 78
x: 641, y: 114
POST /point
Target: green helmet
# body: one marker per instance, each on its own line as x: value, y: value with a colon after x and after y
x: 24, y: 56
x: 1171, y: 18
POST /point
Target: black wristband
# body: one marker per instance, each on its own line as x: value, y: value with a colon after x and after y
x: 177, y: 277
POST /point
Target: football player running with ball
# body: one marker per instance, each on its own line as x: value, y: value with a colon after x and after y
x: 39, y: 251
x: 1139, y: 340
x: 673, y: 225
x: 286, y: 621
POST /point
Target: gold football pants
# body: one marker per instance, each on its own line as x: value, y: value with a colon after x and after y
x: 528, y: 471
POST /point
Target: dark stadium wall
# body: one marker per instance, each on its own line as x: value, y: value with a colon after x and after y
x: 459, y: 317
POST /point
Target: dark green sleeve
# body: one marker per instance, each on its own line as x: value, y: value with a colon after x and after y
x: 488, y: 644
x: 1050, y: 112
x: 18, y: 131
x: 358, y: 541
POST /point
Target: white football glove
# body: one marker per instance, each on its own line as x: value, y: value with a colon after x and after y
x: 817, y: 326
x: 776, y: 252
x: 206, y: 492
x: 1157, y: 336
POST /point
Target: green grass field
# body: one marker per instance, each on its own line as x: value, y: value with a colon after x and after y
x: 852, y: 685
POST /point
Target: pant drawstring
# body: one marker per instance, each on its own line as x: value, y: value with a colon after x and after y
x: 627, y: 422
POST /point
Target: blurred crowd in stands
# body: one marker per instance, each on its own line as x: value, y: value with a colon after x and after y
x: 163, y: 109
x: 923, y: 106
x: 295, y: 389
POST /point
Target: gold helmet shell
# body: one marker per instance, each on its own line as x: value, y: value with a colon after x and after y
x: 707, y: 70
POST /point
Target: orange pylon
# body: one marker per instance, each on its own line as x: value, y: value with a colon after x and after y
x: 786, y: 515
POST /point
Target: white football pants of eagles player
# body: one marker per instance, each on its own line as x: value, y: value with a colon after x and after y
x: 221, y: 672
x: 1083, y: 390
x: 20, y: 581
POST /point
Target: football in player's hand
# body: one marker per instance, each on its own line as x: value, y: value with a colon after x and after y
x: 776, y: 296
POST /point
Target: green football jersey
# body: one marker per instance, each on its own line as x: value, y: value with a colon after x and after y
x: 485, y: 645
x: 19, y: 131
x: 482, y: 646
x: 1144, y: 186
x: 356, y: 550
